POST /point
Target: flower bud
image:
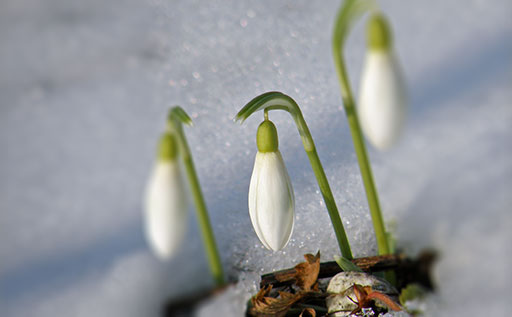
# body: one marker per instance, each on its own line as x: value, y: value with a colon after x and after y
x: 165, y: 203
x: 271, y: 198
x: 382, y: 97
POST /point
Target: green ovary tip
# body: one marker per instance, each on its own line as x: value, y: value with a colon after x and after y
x: 167, y: 148
x: 266, y: 137
x: 378, y: 33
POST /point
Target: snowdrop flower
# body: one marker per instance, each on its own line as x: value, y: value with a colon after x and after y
x: 271, y: 199
x: 165, y: 202
x: 382, y: 99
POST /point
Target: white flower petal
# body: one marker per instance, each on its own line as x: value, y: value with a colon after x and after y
x: 382, y: 99
x: 271, y: 201
x: 165, y: 209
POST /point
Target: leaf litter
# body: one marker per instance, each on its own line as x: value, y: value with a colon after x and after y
x: 305, y: 298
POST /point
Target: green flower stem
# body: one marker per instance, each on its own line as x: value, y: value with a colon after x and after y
x: 349, y: 11
x: 177, y: 116
x: 279, y: 101
x: 341, y: 236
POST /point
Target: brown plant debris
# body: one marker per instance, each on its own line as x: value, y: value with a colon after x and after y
x: 408, y: 270
x: 296, y: 291
x: 306, y: 273
x: 366, y: 297
x: 264, y: 305
x: 306, y: 276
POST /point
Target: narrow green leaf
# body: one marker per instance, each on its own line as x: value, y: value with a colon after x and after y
x: 346, y: 265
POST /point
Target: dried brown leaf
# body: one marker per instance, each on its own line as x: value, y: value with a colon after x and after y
x: 306, y: 273
x: 261, y: 295
x: 366, y: 295
x: 270, y: 306
x: 385, y: 300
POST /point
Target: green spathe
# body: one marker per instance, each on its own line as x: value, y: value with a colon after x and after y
x: 266, y: 138
x: 167, y: 148
x: 378, y: 33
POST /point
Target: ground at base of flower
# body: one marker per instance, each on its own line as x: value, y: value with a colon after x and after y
x: 330, y: 292
x: 303, y: 288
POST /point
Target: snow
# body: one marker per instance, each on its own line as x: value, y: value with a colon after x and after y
x: 85, y: 89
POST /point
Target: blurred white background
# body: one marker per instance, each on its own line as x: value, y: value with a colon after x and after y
x: 84, y: 91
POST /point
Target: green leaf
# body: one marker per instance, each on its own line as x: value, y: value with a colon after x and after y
x: 346, y: 265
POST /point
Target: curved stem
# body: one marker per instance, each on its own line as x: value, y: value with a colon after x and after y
x: 177, y: 117
x: 279, y: 101
x: 346, y: 15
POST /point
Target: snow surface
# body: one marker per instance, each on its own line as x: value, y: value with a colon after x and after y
x: 85, y: 87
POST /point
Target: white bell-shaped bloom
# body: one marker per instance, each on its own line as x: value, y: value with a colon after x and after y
x: 271, y: 199
x: 165, y: 203
x: 382, y: 99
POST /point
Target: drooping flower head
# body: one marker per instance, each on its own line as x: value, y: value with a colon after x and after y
x: 271, y: 199
x: 382, y: 98
x: 165, y: 202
